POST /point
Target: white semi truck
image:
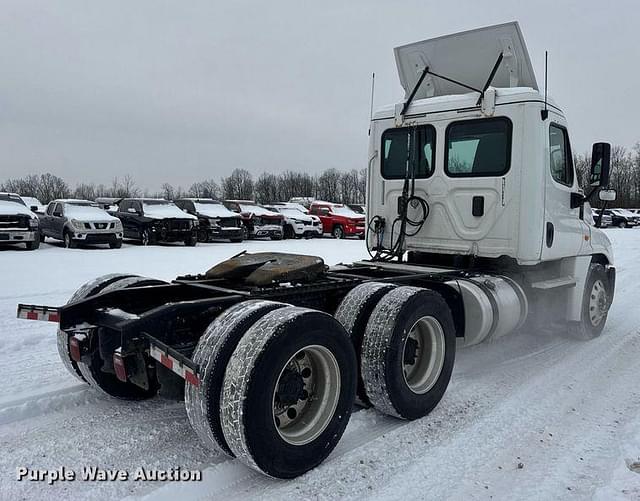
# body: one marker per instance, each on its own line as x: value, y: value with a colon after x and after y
x: 476, y: 226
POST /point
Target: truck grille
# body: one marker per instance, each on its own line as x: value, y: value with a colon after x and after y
x: 262, y: 220
x: 229, y: 222
x: 18, y: 221
x: 178, y: 224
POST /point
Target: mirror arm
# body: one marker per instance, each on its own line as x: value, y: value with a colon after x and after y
x: 589, y: 195
x: 604, y: 207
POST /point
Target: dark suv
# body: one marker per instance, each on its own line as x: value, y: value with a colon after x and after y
x: 622, y: 218
x: 152, y: 220
x: 215, y: 220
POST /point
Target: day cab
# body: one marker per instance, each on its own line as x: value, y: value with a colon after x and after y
x: 494, y: 168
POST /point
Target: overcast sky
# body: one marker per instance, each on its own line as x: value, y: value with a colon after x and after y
x: 179, y: 91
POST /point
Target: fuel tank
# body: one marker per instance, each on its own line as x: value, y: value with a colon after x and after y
x: 494, y: 306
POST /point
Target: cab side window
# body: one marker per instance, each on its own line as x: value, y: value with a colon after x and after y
x: 560, y: 158
x: 50, y: 209
x: 123, y: 206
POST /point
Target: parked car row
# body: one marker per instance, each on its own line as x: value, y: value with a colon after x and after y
x: 622, y: 218
x: 150, y: 220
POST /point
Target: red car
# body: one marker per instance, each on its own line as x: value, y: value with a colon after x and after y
x: 338, y: 219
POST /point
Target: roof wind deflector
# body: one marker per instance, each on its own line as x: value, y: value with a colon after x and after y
x: 465, y: 58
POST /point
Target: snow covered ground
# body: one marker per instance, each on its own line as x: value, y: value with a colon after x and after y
x: 535, y: 415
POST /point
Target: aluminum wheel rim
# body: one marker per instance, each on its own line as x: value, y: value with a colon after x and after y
x: 302, y: 422
x: 422, y: 368
x: 597, y: 303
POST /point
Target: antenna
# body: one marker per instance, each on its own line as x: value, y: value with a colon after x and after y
x: 373, y: 86
x: 545, y: 113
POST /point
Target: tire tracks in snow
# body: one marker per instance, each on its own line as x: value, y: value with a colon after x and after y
x: 232, y: 479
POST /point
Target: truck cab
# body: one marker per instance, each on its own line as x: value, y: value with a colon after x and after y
x: 475, y: 168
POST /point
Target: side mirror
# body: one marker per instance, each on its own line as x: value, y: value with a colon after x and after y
x: 34, y: 208
x: 600, y: 162
x: 607, y: 195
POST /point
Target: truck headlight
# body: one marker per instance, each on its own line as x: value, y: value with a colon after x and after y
x: 119, y: 225
x: 34, y: 223
x: 78, y: 225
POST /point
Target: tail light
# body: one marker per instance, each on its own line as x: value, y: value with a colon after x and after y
x: 74, y: 348
x: 120, y: 366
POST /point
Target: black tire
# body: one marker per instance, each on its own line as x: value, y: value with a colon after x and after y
x: 387, y: 352
x: 337, y: 232
x: 42, y: 237
x: 88, y: 289
x: 287, y: 339
x: 276, y: 237
x: 593, y: 321
x: 353, y: 313
x: 212, y: 354
x: 288, y: 232
x: 191, y: 240
x: 245, y: 233
x: 33, y: 245
x: 68, y: 241
x: 145, y: 237
x: 108, y: 383
x: 622, y: 224
x: 115, y: 245
x: 236, y: 240
x: 203, y: 236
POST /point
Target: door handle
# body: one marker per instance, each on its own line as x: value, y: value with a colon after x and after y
x: 477, y: 206
x: 550, y: 231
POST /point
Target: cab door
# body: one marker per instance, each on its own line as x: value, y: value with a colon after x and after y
x: 564, y: 229
x: 58, y: 221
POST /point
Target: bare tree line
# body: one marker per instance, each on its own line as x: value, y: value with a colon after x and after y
x: 332, y: 184
x: 625, y: 176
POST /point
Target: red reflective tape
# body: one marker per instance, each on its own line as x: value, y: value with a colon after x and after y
x: 32, y: 315
x: 166, y: 361
x: 190, y: 377
x: 54, y: 317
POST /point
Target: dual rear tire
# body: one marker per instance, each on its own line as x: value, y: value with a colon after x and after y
x: 277, y: 386
x: 405, y: 339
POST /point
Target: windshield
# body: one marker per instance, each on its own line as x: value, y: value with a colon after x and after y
x: 213, y: 209
x: 12, y: 198
x: 288, y: 211
x: 255, y: 209
x: 148, y: 203
x: 345, y: 211
x: 31, y: 201
x: 84, y: 211
x: 81, y: 203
